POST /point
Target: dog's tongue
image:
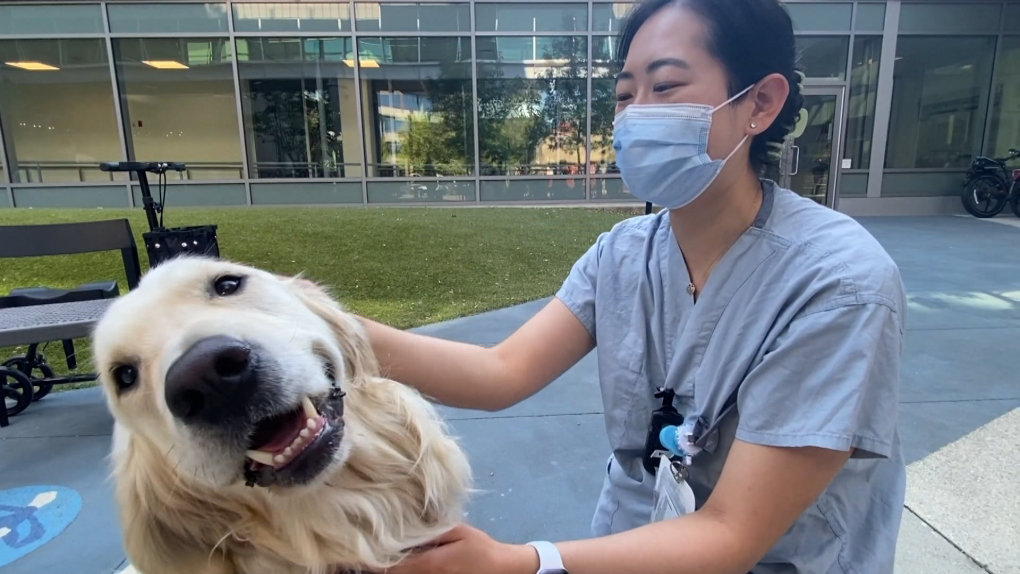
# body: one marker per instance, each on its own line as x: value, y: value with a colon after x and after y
x: 276, y: 433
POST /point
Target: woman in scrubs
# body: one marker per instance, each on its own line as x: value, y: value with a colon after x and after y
x: 778, y: 324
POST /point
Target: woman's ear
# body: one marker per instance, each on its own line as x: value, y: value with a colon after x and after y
x: 768, y: 97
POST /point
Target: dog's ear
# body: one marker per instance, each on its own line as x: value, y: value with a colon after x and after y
x: 361, y: 362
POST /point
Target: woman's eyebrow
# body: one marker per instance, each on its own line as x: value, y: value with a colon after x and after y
x: 663, y: 62
x: 655, y: 65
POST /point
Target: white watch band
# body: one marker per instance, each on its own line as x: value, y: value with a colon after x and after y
x: 549, y: 559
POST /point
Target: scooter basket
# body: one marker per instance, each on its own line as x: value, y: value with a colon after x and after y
x: 165, y: 244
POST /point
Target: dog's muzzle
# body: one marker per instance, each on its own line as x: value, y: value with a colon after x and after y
x: 225, y: 388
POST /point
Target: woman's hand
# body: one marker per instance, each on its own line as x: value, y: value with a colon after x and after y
x: 467, y: 550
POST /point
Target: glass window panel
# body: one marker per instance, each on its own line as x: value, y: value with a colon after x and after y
x: 609, y: 188
x: 603, y: 105
x: 430, y: 191
x: 533, y: 189
x: 870, y: 17
x: 532, y: 104
x: 531, y: 17
x: 1005, y: 129
x: 940, y: 91
x: 373, y: 17
x: 87, y: 197
x: 298, y: 101
x: 167, y: 18
x: 609, y: 17
x: 419, y: 110
x: 314, y: 193
x: 199, y: 195
x: 1012, y: 18
x: 823, y: 56
x: 965, y: 18
x: 860, y: 122
x: 820, y: 17
x: 58, y: 110
x: 289, y: 17
x: 51, y: 19
x: 178, y: 98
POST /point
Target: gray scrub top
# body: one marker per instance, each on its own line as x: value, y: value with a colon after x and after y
x: 802, y: 320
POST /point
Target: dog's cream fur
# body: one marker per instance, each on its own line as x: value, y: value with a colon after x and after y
x: 398, y: 480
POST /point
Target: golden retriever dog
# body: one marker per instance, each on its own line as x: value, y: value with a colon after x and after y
x: 254, y: 434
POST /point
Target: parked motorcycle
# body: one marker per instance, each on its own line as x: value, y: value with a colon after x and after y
x: 990, y: 186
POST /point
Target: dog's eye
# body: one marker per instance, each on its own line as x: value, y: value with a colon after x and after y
x: 125, y: 376
x: 227, y: 285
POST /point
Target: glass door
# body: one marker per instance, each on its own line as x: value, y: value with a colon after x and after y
x: 812, y: 153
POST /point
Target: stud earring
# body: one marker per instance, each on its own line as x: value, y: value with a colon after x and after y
x: 754, y: 126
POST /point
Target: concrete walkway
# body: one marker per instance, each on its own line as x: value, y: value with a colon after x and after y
x: 540, y: 463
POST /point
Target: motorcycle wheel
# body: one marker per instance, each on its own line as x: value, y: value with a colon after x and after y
x: 984, y: 196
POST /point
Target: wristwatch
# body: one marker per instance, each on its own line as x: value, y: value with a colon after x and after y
x: 549, y: 560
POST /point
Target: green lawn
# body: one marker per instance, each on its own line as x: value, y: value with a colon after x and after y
x: 404, y: 267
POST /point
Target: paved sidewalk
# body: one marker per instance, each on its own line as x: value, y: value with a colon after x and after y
x: 540, y: 463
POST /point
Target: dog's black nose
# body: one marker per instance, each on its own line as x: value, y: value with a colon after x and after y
x: 210, y: 381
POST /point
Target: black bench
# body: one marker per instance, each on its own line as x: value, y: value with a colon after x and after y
x: 61, y: 314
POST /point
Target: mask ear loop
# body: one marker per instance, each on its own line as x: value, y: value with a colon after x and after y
x: 729, y: 101
x: 726, y: 103
x: 732, y: 153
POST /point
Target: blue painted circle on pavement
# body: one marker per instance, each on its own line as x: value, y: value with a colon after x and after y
x: 31, y: 516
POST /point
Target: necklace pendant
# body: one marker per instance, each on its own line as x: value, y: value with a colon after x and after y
x: 690, y: 288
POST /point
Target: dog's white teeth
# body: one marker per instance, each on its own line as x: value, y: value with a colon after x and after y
x: 279, y: 459
x: 288, y: 452
x: 309, y: 408
x: 305, y: 433
x: 260, y: 456
x: 313, y: 423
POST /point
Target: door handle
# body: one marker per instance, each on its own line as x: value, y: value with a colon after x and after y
x: 797, y: 155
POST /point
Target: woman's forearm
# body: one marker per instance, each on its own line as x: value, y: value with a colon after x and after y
x: 694, y: 544
x: 452, y: 373
x: 475, y: 377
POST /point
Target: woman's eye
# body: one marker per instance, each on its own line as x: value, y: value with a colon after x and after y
x: 227, y: 285
x: 665, y: 87
x: 125, y: 376
x: 622, y: 97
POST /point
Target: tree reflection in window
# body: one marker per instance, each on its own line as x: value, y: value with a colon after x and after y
x: 419, y: 107
x: 532, y: 104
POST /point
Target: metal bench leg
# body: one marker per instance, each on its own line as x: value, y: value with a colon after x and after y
x: 4, y: 421
x: 72, y: 360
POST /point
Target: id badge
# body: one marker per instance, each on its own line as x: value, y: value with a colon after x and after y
x: 673, y: 496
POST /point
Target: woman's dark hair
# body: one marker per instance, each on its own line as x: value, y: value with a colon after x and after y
x: 752, y: 39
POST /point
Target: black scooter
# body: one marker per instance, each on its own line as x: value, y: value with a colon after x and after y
x: 161, y: 243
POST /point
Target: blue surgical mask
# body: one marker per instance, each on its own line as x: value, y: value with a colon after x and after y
x: 662, y: 151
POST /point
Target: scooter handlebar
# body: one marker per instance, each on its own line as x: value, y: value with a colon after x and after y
x: 150, y: 166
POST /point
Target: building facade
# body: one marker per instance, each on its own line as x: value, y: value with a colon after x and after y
x: 459, y: 103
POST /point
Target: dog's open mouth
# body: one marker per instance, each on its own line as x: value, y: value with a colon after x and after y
x: 281, y: 439
x: 293, y: 447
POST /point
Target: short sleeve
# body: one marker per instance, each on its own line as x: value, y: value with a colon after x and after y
x: 830, y: 380
x: 578, y: 290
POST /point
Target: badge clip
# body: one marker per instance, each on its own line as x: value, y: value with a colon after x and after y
x: 664, y: 416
